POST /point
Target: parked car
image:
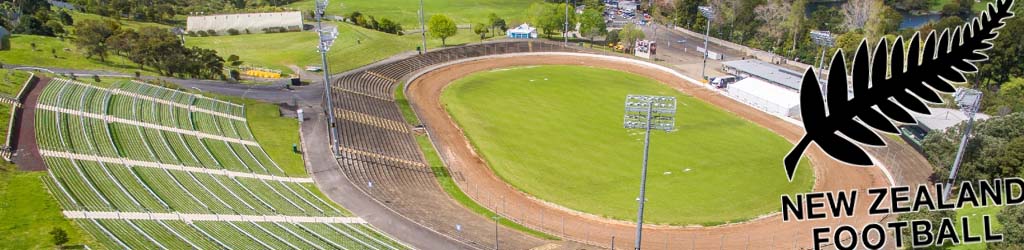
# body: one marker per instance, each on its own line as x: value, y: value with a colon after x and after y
x: 723, y: 81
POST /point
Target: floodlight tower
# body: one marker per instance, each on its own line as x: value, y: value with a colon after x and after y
x: 709, y: 14
x: 969, y: 101
x: 648, y: 113
x: 327, y: 38
x: 824, y: 39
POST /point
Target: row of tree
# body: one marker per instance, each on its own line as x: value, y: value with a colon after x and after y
x: 151, y: 47
x: 366, y: 21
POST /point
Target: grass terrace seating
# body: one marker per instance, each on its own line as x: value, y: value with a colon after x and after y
x: 121, y: 150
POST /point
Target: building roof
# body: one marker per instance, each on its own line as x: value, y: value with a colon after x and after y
x: 769, y: 72
x: 943, y: 118
x: 771, y: 93
x: 522, y: 29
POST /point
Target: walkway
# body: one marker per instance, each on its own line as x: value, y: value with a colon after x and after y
x: 110, y: 118
x: 129, y: 162
x: 209, y: 217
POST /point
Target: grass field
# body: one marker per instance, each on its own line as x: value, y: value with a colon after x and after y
x: 555, y: 132
x: 405, y: 11
x: 355, y: 47
x: 12, y: 81
x: 28, y: 213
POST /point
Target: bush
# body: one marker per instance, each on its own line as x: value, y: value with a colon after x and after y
x: 233, y: 32
x: 211, y: 32
x: 235, y: 74
x: 202, y: 33
x: 191, y: 33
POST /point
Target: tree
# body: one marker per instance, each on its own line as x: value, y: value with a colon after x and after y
x: 630, y: 34
x: 858, y: 12
x: 550, y: 18
x: 55, y: 27
x: 1011, y: 95
x: 996, y: 148
x: 884, y: 20
x: 687, y: 14
x: 772, y: 13
x: 60, y: 237
x: 795, y: 20
x: 613, y: 37
x: 496, y: 23
x: 481, y: 30
x: 30, y: 24
x: 92, y: 37
x: 66, y: 18
x: 1012, y: 218
x: 440, y: 26
x: 592, y: 24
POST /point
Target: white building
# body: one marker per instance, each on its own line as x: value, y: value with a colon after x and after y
x: 522, y: 31
x: 253, y: 22
x: 765, y: 96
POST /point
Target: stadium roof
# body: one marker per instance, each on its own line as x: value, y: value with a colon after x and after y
x: 767, y: 71
x: 943, y: 118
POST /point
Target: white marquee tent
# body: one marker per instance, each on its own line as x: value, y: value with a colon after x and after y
x: 766, y: 96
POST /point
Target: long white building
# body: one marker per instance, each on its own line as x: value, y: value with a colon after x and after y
x: 253, y: 22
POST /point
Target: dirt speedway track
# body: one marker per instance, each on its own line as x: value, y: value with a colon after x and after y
x: 480, y: 183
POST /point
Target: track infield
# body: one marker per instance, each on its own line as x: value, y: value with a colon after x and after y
x: 555, y: 132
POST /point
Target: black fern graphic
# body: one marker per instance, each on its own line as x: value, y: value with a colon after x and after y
x: 889, y: 88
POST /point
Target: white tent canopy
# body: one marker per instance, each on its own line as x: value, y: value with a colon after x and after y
x: 766, y: 96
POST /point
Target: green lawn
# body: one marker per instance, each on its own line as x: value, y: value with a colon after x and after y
x: 5, y: 120
x: 28, y: 213
x: 355, y: 47
x: 12, y: 81
x: 555, y: 132
x: 267, y: 126
x: 405, y: 11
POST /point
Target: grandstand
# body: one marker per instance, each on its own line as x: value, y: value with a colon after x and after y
x: 246, y: 23
x: 145, y: 167
x: 378, y: 149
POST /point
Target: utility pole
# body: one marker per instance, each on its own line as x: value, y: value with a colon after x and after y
x: 423, y: 28
x: 565, y: 35
x: 709, y: 14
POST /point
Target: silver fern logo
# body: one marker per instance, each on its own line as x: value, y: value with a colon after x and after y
x: 888, y: 90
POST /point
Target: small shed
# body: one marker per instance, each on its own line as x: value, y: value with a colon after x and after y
x: 523, y: 31
x: 5, y: 39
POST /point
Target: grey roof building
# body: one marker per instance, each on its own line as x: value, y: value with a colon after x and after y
x: 768, y: 72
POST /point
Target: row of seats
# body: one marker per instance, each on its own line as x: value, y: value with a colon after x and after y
x: 91, y: 184
x: 408, y: 187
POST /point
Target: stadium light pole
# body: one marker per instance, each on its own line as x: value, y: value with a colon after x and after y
x: 969, y: 101
x: 423, y: 28
x: 709, y: 14
x: 648, y: 113
x: 326, y: 40
x: 825, y: 40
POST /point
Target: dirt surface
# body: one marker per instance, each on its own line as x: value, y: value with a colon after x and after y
x: 480, y: 183
x: 23, y: 136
